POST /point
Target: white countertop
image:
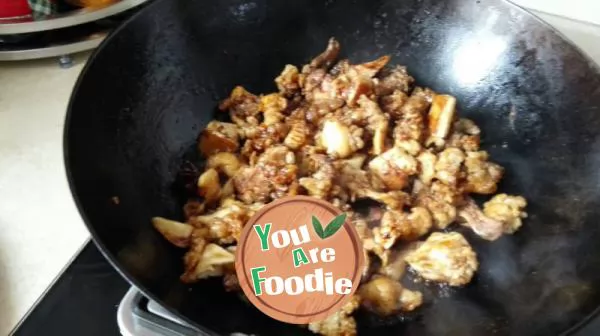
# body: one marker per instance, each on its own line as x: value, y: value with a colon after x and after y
x: 40, y: 228
x: 581, y: 10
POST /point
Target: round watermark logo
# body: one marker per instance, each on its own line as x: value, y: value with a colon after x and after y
x: 299, y: 259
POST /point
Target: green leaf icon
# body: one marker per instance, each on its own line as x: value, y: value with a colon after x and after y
x: 334, y: 225
x: 331, y: 228
x: 318, y: 227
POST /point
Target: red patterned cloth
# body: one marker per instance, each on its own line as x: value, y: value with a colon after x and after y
x: 14, y: 9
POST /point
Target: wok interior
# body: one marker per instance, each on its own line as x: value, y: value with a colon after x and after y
x: 147, y: 93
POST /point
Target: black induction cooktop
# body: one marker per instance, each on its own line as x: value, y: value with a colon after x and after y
x: 85, y: 297
x: 83, y: 300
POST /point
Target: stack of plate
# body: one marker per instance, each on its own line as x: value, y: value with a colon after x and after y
x: 63, y: 34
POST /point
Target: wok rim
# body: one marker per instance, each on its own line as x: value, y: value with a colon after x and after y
x: 111, y: 257
x: 108, y: 255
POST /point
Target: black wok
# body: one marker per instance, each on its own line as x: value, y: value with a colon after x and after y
x: 149, y: 89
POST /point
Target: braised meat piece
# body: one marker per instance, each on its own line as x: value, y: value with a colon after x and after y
x: 393, y: 168
x: 273, y: 176
x: 484, y: 226
x: 394, y: 79
x: 340, y: 323
x: 412, y: 117
x: 243, y: 107
x: 446, y: 258
x: 386, y: 296
x: 509, y: 210
x: 482, y: 176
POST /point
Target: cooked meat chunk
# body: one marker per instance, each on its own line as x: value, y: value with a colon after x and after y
x: 484, y: 226
x: 393, y: 224
x: 410, y: 300
x: 441, y: 115
x: 243, y: 107
x: 179, y: 234
x: 346, y: 82
x: 386, y: 296
x: 193, y: 256
x: 218, y: 137
x: 448, y: 164
x: 506, y: 209
x: 299, y: 134
x: 327, y: 57
x: 356, y: 161
x: 340, y: 68
x: 377, y: 122
x: 280, y: 165
x: 392, y: 199
x: 447, y: 193
x: 272, y: 107
x: 412, y: 147
x: 360, y: 78
x: 420, y: 222
x: 340, y: 140
x: 466, y: 136
x: 393, y: 103
x: 227, y: 163
x: 482, y: 175
x: 193, y: 207
x: 394, y: 167
x: 322, y: 110
x: 427, y: 163
x: 394, y: 79
x: 271, y: 177
x: 396, y: 266
x: 210, y: 263
x: 370, y: 69
x: 369, y: 245
x: 288, y: 81
x: 411, y: 124
x: 251, y: 184
x: 446, y: 258
x: 352, y: 178
x: 441, y: 201
x: 311, y: 79
x: 339, y: 324
x: 364, y: 232
x: 308, y: 159
x: 368, y: 116
x: 397, y: 225
x: 227, y: 190
x: 320, y: 183
x: 261, y: 137
x: 466, y: 126
x: 425, y: 93
x: 209, y: 186
x: 353, y: 86
x: 224, y: 224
